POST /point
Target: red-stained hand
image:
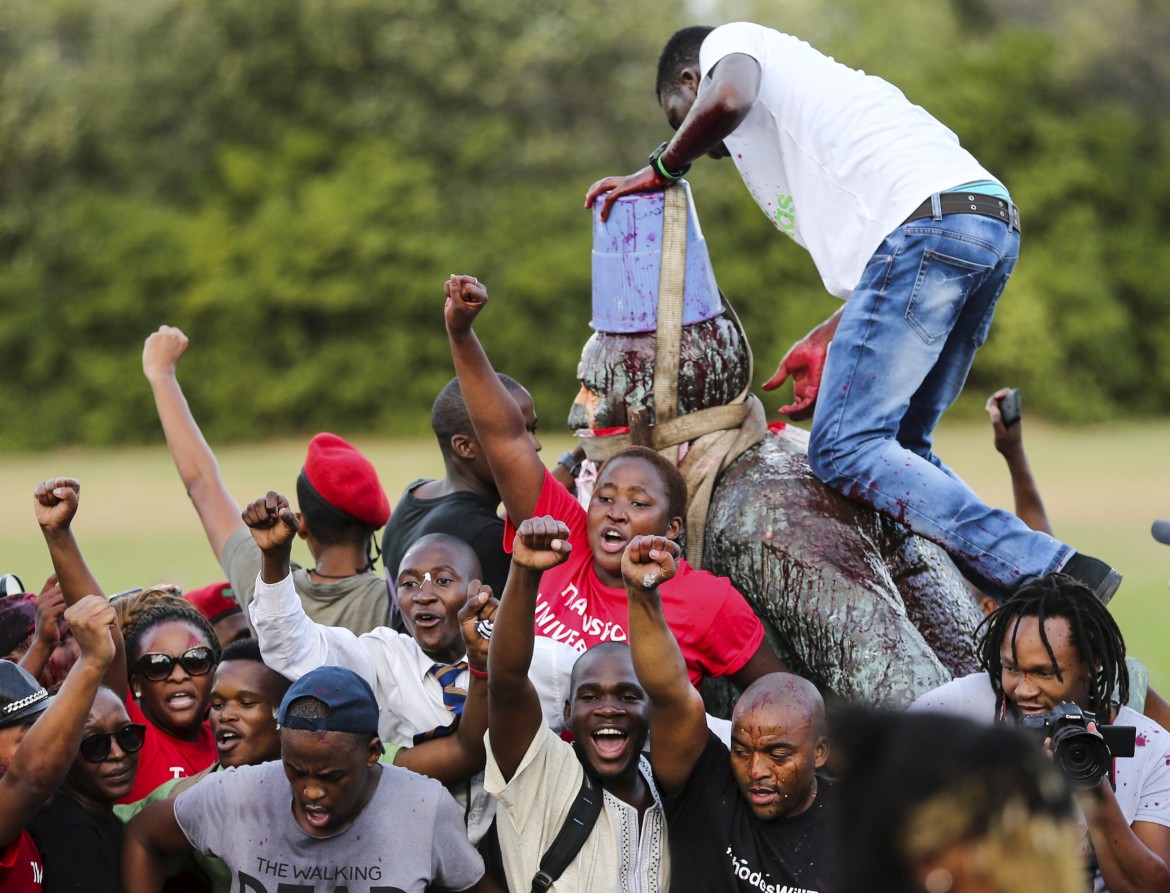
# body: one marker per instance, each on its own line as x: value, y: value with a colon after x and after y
x: 541, y: 543
x: 649, y: 561
x: 480, y: 605
x: 55, y: 502
x: 272, y: 522
x: 645, y: 180
x: 466, y: 297
x: 804, y: 364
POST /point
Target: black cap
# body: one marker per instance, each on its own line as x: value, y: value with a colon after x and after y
x: 21, y: 696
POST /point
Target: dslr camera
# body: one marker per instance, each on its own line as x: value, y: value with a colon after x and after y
x: 1082, y: 754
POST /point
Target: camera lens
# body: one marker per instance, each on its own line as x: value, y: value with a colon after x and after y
x: 1080, y: 755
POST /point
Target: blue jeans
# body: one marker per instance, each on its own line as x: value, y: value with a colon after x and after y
x: 899, y: 359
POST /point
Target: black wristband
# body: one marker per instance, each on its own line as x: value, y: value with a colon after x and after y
x: 656, y: 163
x: 570, y: 464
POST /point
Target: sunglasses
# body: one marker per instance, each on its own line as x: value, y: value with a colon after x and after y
x: 157, y: 666
x: 96, y: 748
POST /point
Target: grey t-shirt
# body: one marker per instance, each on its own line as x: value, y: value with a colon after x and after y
x: 360, y: 603
x: 410, y: 835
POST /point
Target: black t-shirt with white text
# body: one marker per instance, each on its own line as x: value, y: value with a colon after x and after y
x: 718, y: 844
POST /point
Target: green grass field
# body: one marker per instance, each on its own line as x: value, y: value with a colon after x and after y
x: 1102, y: 486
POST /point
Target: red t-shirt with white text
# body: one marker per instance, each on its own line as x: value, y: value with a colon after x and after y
x: 21, y: 868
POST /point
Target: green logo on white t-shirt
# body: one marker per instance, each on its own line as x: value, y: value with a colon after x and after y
x: 785, y: 214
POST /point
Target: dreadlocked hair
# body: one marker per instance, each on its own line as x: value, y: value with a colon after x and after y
x: 1093, y: 630
x: 168, y: 612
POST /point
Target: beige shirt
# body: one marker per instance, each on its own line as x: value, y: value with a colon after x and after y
x: 621, y: 854
x: 359, y: 603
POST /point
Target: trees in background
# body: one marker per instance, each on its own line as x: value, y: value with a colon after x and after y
x: 291, y: 180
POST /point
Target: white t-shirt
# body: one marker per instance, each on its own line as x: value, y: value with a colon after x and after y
x: 837, y: 159
x: 1143, y: 782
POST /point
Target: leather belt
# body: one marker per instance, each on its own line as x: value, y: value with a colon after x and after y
x: 970, y: 203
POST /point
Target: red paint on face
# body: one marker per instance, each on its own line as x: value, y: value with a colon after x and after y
x: 178, y: 703
x: 432, y: 587
x: 1031, y: 682
x: 775, y: 752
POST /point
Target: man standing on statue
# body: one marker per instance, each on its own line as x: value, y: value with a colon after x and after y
x: 904, y: 225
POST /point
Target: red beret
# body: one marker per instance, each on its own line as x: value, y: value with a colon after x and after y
x: 215, y: 601
x: 346, y: 480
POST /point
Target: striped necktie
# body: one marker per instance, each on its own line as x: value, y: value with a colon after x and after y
x: 453, y: 698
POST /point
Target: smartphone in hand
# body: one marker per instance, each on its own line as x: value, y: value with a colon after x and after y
x: 1009, y: 407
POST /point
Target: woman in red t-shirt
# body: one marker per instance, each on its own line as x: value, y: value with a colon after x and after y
x: 171, y: 651
x: 582, y: 601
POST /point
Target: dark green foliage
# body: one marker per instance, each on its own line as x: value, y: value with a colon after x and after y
x: 290, y: 181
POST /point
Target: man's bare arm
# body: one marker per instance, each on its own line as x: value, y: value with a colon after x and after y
x: 514, y: 712
x: 152, y: 837
x: 1009, y: 443
x: 56, y: 502
x: 678, y: 722
x: 498, y: 422
x: 193, y: 458
x: 1131, y: 858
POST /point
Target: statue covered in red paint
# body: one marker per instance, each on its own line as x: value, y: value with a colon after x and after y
x: 851, y: 599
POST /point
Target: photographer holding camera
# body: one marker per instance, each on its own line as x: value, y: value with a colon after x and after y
x: 1053, y: 658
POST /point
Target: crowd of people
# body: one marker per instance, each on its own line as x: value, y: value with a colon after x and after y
x: 513, y: 701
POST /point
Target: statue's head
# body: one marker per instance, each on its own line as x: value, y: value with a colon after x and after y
x: 617, y: 371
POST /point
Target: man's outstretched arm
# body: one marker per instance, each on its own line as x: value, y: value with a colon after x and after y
x: 678, y: 722
x: 498, y: 422
x: 56, y: 502
x: 290, y: 641
x: 514, y: 713
x: 193, y: 457
x: 1009, y: 443
x: 714, y: 115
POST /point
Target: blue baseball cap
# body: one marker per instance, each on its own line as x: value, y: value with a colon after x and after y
x: 1161, y: 532
x: 350, y: 702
